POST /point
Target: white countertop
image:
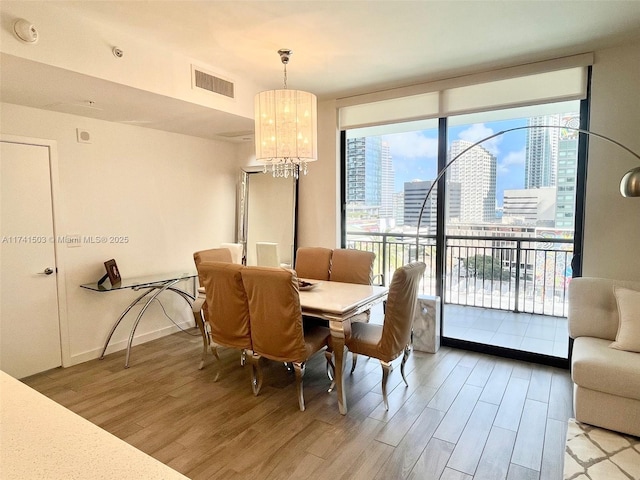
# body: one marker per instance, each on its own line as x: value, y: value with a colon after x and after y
x: 40, y: 439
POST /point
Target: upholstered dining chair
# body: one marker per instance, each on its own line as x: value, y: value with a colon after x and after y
x: 211, y: 255
x: 387, y: 341
x: 199, y: 306
x: 353, y: 266
x: 226, y: 307
x: 276, y: 325
x: 313, y: 262
x: 236, y: 250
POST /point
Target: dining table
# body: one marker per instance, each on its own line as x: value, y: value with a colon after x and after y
x: 338, y: 302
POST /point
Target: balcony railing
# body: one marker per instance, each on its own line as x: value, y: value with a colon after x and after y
x: 519, y: 274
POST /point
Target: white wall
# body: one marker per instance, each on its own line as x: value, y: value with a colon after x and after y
x: 72, y: 42
x: 170, y: 194
x: 612, y: 223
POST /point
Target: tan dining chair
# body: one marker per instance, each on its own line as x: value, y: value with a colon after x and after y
x: 211, y: 255
x: 353, y: 266
x: 387, y: 341
x: 313, y: 262
x: 226, y: 307
x: 276, y: 325
x: 199, y: 305
x: 236, y: 250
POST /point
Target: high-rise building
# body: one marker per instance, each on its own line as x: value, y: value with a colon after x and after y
x: 541, y: 153
x: 567, y: 170
x: 475, y: 171
x: 364, y: 171
x: 387, y: 186
x: 414, y: 194
x: 552, y: 161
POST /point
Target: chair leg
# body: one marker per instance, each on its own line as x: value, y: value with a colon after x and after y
x: 299, y: 369
x: 354, y: 361
x: 386, y: 368
x: 405, y: 356
x: 256, y: 371
x: 214, y: 351
x: 331, y: 369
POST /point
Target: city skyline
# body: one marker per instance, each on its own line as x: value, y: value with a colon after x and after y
x: 414, y: 154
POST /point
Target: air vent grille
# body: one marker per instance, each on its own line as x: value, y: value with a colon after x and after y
x: 212, y: 83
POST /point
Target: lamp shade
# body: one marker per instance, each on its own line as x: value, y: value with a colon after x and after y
x: 630, y: 183
x: 286, y: 123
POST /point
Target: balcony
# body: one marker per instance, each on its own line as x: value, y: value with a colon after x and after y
x: 504, y: 291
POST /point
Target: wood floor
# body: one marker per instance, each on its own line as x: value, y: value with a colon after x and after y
x: 464, y: 415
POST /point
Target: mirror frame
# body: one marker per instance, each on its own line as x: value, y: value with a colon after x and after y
x: 243, y: 214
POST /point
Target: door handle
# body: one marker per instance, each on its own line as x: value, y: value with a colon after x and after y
x: 47, y: 271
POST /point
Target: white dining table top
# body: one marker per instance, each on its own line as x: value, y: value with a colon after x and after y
x: 337, y: 298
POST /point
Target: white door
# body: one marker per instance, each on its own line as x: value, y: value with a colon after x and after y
x: 29, y: 322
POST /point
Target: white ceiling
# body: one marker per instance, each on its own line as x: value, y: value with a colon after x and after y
x: 341, y: 48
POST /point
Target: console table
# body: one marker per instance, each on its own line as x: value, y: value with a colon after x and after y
x: 151, y: 283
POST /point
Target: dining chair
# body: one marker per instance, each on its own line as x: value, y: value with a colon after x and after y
x: 236, y: 250
x: 211, y: 255
x: 267, y: 254
x: 226, y: 307
x: 353, y: 266
x: 313, y: 262
x: 387, y: 341
x: 199, y: 305
x: 276, y: 325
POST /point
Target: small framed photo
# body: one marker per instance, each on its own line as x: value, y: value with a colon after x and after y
x: 112, y: 271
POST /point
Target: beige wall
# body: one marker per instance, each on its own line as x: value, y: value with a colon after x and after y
x: 612, y: 223
x: 169, y: 194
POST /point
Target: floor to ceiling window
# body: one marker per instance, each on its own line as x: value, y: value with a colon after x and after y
x: 509, y: 218
x: 482, y: 178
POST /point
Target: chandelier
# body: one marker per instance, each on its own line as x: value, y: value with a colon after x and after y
x: 286, y: 128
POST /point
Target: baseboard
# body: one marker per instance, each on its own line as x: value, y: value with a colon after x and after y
x: 122, y: 345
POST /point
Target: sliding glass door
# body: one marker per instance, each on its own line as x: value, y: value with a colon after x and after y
x: 508, y: 215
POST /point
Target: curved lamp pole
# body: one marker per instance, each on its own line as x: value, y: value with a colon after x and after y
x: 629, y: 185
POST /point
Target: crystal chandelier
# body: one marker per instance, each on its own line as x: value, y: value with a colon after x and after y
x: 286, y: 128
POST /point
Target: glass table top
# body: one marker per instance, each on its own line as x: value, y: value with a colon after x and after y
x: 140, y: 282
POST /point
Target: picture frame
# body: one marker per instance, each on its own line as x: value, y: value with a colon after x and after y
x: 112, y: 271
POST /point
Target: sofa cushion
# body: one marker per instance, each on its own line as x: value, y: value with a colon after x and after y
x: 597, y: 367
x: 628, y: 337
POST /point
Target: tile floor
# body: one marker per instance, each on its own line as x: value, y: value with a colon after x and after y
x: 523, y: 331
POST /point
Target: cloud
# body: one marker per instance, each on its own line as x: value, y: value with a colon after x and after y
x: 477, y: 132
x: 412, y: 145
x: 511, y: 159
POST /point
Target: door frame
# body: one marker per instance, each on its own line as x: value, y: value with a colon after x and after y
x: 58, y: 248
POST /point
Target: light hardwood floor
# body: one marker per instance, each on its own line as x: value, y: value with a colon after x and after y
x: 464, y: 415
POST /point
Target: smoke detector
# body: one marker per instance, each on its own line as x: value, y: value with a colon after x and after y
x: 25, y: 31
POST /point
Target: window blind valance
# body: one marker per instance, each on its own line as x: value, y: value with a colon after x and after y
x: 555, y: 80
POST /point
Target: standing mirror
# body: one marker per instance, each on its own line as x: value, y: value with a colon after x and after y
x: 267, y: 213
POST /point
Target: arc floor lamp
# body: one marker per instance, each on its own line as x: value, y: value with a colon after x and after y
x: 629, y: 184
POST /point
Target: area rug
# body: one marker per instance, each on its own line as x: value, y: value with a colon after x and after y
x: 597, y: 454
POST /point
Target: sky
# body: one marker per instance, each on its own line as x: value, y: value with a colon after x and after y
x: 414, y: 154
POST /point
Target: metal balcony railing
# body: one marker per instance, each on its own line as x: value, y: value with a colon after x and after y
x: 519, y: 274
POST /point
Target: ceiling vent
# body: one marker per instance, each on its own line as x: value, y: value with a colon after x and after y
x: 211, y: 82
